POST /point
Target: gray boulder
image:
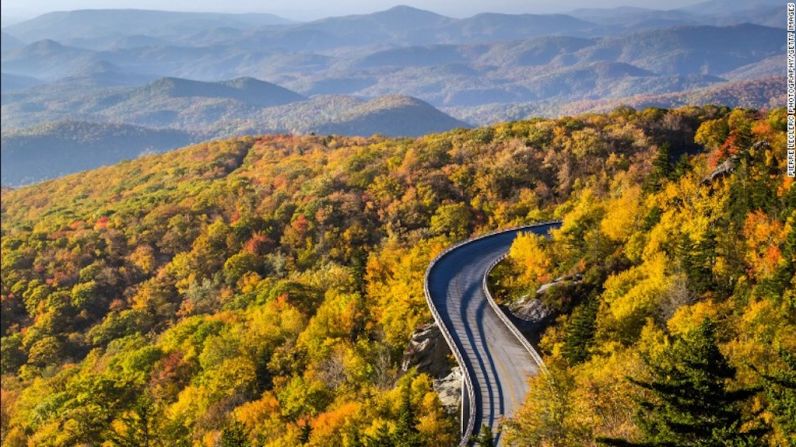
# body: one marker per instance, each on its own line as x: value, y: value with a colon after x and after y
x: 449, y: 389
x: 428, y: 352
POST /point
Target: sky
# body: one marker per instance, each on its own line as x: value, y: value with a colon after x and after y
x: 313, y: 9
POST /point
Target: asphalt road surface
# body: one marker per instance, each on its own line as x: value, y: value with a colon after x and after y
x: 498, y: 363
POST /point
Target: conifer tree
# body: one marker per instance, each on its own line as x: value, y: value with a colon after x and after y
x: 484, y: 438
x: 580, y: 332
x: 234, y: 436
x: 687, y: 402
x: 780, y: 392
x: 406, y: 433
x: 661, y: 169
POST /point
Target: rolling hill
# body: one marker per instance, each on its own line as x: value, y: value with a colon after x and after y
x: 9, y: 42
x: 47, y: 59
x: 443, y: 61
x: 243, y: 105
x: 764, y: 94
x: 12, y: 83
x: 55, y: 149
x: 171, y: 112
x: 93, y: 27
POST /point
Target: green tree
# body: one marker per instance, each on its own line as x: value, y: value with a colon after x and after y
x: 688, y: 401
x: 137, y: 427
x: 382, y: 437
x: 234, y: 436
x: 780, y: 392
x: 580, y: 331
x: 451, y: 220
x: 484, y: 438
x: 661, y: 169
x: 406, y: 433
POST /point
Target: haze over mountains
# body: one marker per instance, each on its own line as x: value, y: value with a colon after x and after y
x: 403, y: 71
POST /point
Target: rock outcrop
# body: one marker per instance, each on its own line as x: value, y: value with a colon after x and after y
x: 560, y: 281
x: 428, y: 352
x: 531, y: 311
x: 449, y: 389
x: 724, y: 169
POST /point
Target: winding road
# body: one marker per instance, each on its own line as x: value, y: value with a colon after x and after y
x: 496, y: 360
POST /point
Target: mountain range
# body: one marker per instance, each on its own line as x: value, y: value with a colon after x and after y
x: 81, y: 131
x: 401, y: 72
x: 241, y: 105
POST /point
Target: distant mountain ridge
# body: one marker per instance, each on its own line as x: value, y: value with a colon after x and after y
x: 172, y: 112
x: 403, y: 71
x: 55, y: 149
x: 444, y: 74
x: 87, y: 26
x: 764, y: 93
x: 219, y: 108
x: 247, y: 90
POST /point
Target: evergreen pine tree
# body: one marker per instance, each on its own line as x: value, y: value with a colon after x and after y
x: 382, y: 438
x: 661, y: 169
x: 580, y: 332
x: 406, y: 433
x: 687, y: 402
x: 780, y: 392
x: 234, y: 436
x: 484, y: 438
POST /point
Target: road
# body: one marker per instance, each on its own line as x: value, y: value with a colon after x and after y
x: 497, y: 361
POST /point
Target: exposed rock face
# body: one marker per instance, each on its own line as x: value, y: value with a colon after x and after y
x: 532, y: 311
x: 560, y: 281
x: 449, y: 389
x: 531, y: 315
x: 725, y: 168
x: 428, y: 351
x: 430, y: 354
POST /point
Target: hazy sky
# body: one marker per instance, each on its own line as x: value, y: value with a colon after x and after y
x: 311, y: 9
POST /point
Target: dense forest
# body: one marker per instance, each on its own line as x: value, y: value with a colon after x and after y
x: 261, y: 291
x: 674, y: 298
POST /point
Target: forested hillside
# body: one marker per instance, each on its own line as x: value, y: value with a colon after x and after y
x: 261, y: 291
x: 674, y: 299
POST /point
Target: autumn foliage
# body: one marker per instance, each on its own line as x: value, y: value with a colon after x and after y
x: 261, y: 291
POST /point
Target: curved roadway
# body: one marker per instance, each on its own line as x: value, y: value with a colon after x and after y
x: 498, y: 363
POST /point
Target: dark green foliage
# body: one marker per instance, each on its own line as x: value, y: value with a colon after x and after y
x: 484, y: 438
x: 688, y: 401
x: 661, y: 168
x: 234, y: 436
x: 696, y: 259
x: 139, y: 426
x: 406, y: 433
x: 580, y: 330
x: 780, y: 392
x: 382, y: 438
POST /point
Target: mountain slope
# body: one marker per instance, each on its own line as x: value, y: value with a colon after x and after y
x: 171, y: 112
x: 9, y: 42
x: 47, y: 59
x: 56, y: 149
x: 753, y: 94
x: 249, y: 91
x: 94, y: 25
x: 391, y: 116
x: 490, y: 27
x: 259, y: 289
x: 243, y: 105
x: 12, y: 83
x: 691, y: 50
